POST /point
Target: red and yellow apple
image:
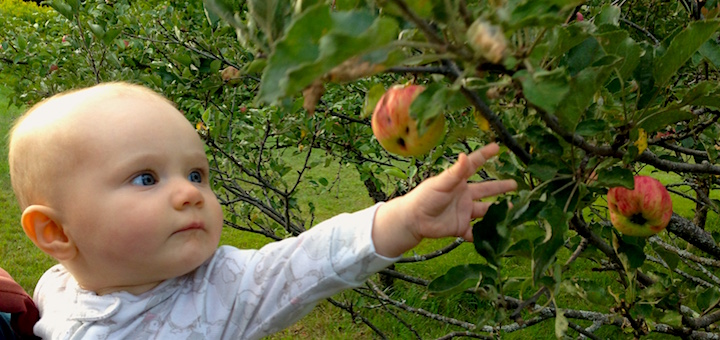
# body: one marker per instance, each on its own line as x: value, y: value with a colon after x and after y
x: 396, y: 131
x: 641, y: 212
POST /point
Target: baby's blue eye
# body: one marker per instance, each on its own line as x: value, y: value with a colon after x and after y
x: 144, y: 180
x: 195, y: 176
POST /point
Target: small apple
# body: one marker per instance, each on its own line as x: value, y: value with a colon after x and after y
x: 487, y: 40
x: 53, y: 68
x: 64, y: 38
x: 394, y: 128
x: 126, y: 43
x: 230, y: 75
x: 579, y: 16
x: 641, y: 212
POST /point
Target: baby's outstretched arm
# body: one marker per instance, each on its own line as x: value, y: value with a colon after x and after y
x: 440, y: 206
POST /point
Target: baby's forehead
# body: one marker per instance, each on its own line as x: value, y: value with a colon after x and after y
x: 86, y: 104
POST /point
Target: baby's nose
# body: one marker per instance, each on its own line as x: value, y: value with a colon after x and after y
x: 186, y: 194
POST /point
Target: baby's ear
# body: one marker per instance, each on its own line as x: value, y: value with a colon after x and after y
x: 40, y: 224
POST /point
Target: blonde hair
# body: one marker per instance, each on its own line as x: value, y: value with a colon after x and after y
x: 41, y: 140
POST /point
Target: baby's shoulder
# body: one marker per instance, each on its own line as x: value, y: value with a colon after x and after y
x: 55, y: 277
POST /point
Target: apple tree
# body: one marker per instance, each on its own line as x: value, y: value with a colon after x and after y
x: 583, y: 96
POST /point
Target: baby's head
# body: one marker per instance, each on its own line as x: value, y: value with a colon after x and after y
x: 113, y: 183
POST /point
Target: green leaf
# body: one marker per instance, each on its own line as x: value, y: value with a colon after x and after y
x: 425, y: 105
x: 211, y: 16
x: 269, y: 16
x: 616, y: 177
x: 75, y: 5
x: 672, y: 318
x: 527, y: 212
x: 630, y: 250
x: 490, y: 235
x: 22, y: 42
x: 556, y: 224
x: 256, y: 66
x: 344, y: 5
x: 583, y: 55
x: 708, y: 138
x: 544, y: 89
x: 609, y: 14
x: 703, y: 94
x: 97, y: 30
x: 542, y: 140
x: 583, y: 87
x: 671, y: 259
x: 421, y: 8
x: 681, y: 48
x: 654, y: 120
x: 395, y: 172
x: 215, y: 66
x: 542, y: 169
x: 592, y: 127
x: 462, y: 277
x: 620, y: 44
x: 710, y: 50
x: 698, y: 91
x: 110, y: 35
x: 712, y: 101
x: 224, y: 10
x: 433, y: 101
x: 709, y: 297
x: 643, y: 76
x: 563, y: 38
x: 299, y: 45
x: 64, y: 9
x: 315, y: 43
x: 371, y: 99
x: 183, y: 58
x: 522, y: 248
x: 544, y: 13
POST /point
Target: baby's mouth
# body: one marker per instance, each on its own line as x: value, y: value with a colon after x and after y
x: 192, y: 226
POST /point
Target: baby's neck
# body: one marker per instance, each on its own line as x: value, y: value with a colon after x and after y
x: 134, y: 290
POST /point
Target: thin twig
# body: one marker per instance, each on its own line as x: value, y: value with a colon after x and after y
x: 447, y: 249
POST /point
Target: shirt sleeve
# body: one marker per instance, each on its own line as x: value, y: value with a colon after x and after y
x: 266, y: 290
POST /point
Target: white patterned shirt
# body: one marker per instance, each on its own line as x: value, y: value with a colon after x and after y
x: 236, y: 294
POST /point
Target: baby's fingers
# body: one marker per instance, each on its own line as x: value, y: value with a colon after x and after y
x: 480, y: 209
x: 478, y: 157
x: 466, y: 166
x: 491, y: 188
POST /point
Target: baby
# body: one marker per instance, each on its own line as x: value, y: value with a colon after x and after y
x: 113, y: 183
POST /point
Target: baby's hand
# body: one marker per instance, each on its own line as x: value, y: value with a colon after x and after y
x: 440, y: 206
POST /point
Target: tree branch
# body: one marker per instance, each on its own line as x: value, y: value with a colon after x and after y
x: 702, y: 321
x: 419, y: 258
x: 355, y: 315
x: 684, y: 253
x: 691, y: 233
x: 695, y: 280
x: 644, y: 31
x: 646, y: 157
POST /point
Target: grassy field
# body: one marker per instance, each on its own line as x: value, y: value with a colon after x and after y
x: 26, y: 263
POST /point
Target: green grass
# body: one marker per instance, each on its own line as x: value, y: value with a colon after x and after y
x: 26, y: 263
